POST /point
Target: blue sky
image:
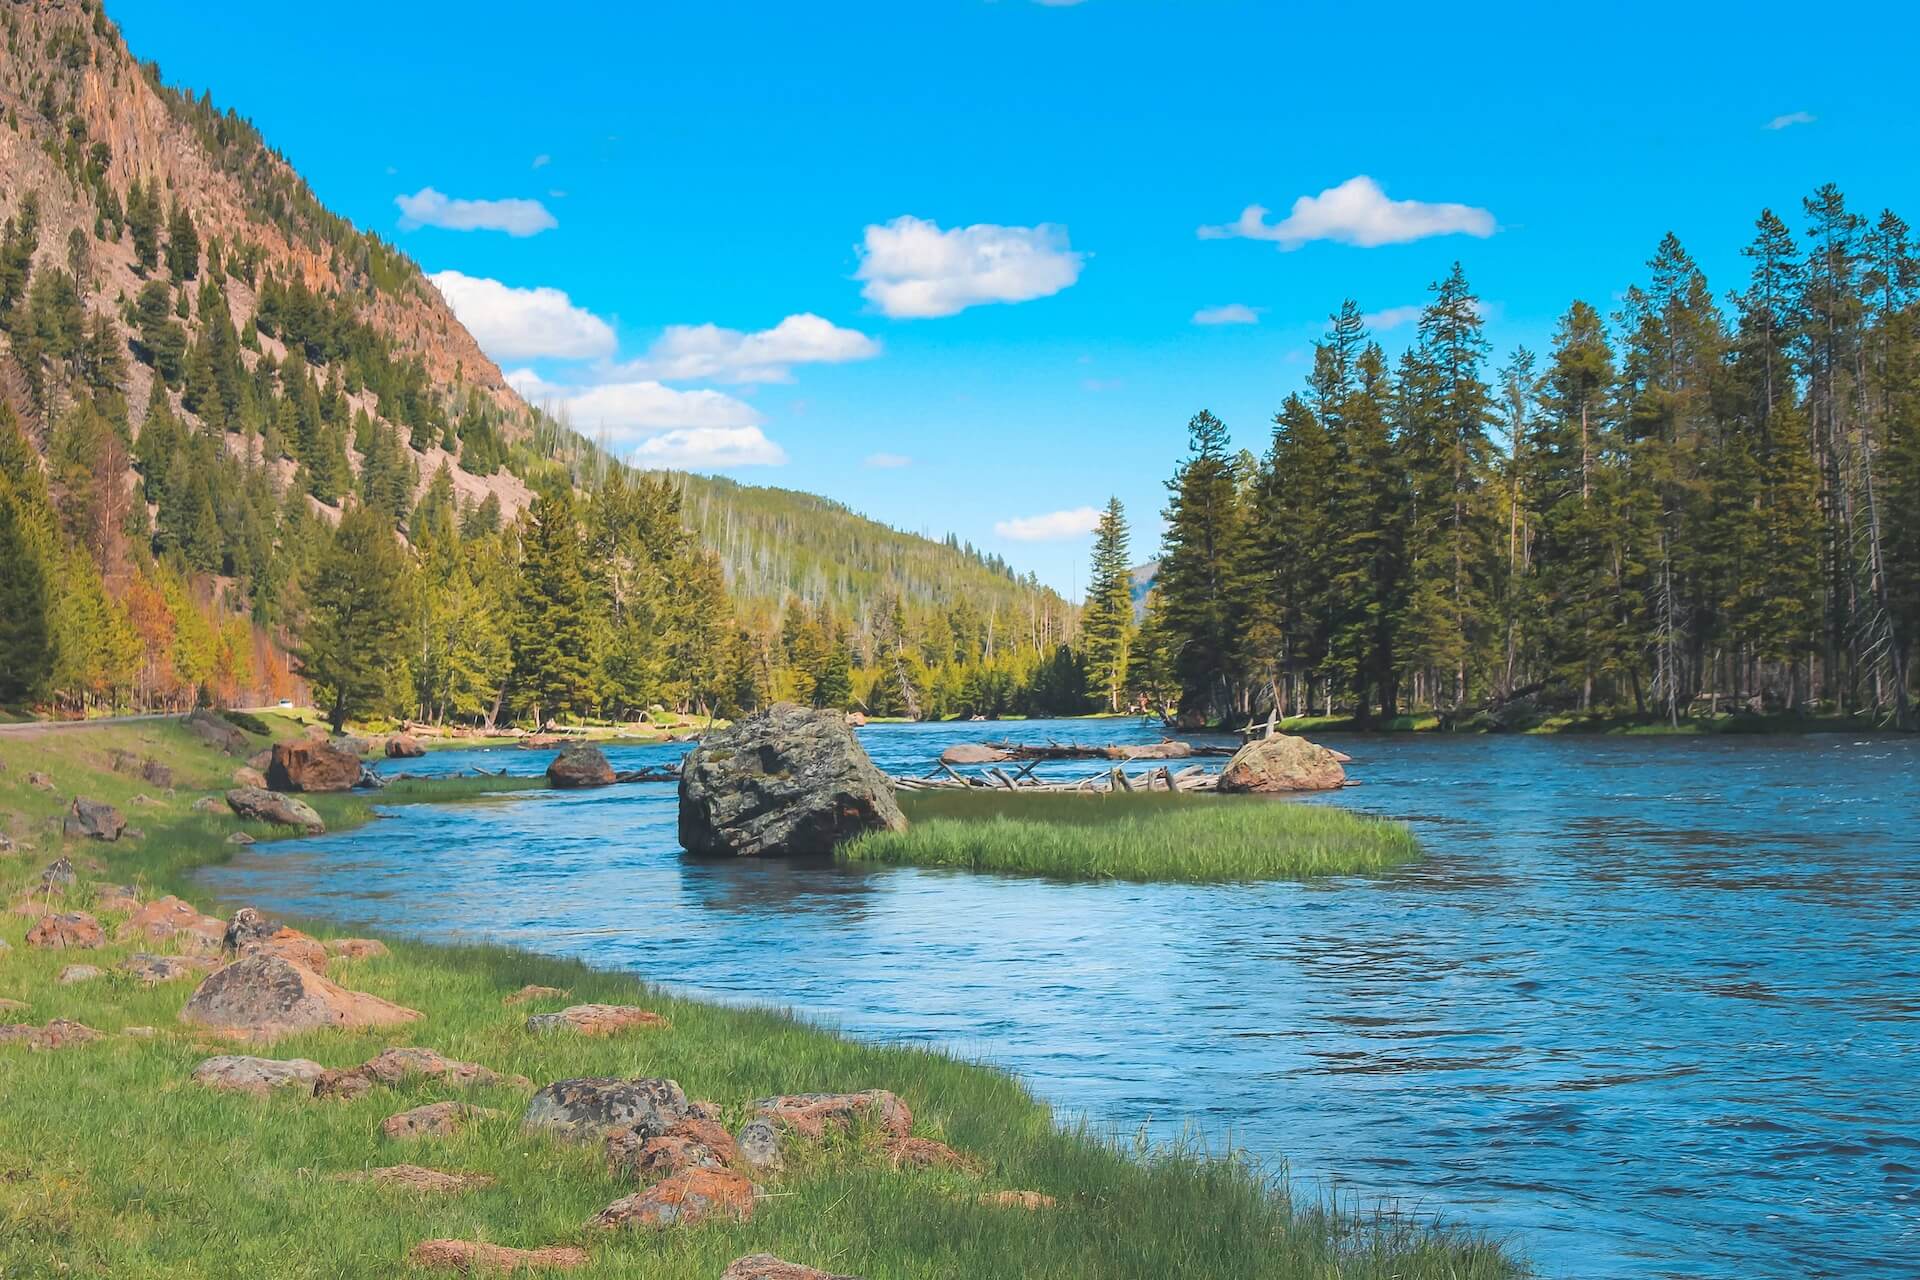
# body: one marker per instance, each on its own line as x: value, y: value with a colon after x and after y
x: 951, y: 252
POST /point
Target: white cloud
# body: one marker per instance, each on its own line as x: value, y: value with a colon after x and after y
x: 628, y: 410
x: 706, y: 351
x: 1055, y: 526
x: 709, y: 449
x: 542, y: 160
x: 913, y: 269
x: 1790, y: 119
x: 888, y: 461
x: 523, y: 324
x: 1356, y: 212
x: 1390, y: 318
x: 1232, y: 313
x: 428, y: 208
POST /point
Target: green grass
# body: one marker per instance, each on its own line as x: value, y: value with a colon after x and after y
x: 112, y: 1164
x: 1137, y: 836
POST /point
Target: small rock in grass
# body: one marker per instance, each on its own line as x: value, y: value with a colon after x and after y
x: 435, y: 1120
x: 764, y: 1266
x: 257, y: 805
x: 531, y: 992
x: 152, y: 969
x: 208, y: 804
x: 475, y: 1257
x: 57, y: 1034
x: 692, y: 1143
x: 92, y: 820
x: 250, y: 933
x: 58, y: 876
x: 248, y: 776
x: 39, y: 781
x: 119, y: 899
x: 682, y: 1200
x: 246, y: 926
x: 595, y: 1019
x: 413, y: 1177
x: 66, y: 930
x: 925, y: 1153
x: 237, y: 1073
x: 395, y: 1066
x: 76, y: 973
x: 810, y: 1114
x: 759, y: 1145
x: 585, y: 1109
x: 262, y: 996
x: 1031, y: 1201
x: 169, y: 919
x: 355, y: 948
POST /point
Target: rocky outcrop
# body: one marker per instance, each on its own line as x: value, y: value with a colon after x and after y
x: 262, y: 997
x: 435, y: 1120
x: 312, y: 766
x: 586, y: 1109
x: 256, y: 805
x: 682, y: 1200
x: 786, y: 780
x: 237, y: 1073
x: 477, y: 1258
x: 578, y: 767
x: 764, y: 1266
x: 404, y: 746
x: 92, y: 820
x: 1282, y: 763
x: 811, y: 1114
x: 595, y: 1019
x: 66, y: 931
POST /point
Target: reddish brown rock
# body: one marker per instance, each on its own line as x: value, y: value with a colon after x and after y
x: 925, y: 1153
x: 974, y: 753
x: 169, y: 919
x: 578, y: 767
x: 595, y: 1019
x: 810, y: 1114
x: 475, y: 1257
x: 435, y: 1120
x: 355, y: 948
x: 65, y: 931
x: 404, y: 746
x: 1282, y: 763
x: 682, y: 1200
x: 57, y: 1034
x: 764, y: 1266
x: 692, y: 1143
x: 237, y: 1073
x: 396, y: 1066
x: 312, y: 766
x: 412, y: 1177
x: 531, y: 992
x: 261, y: 997
x: 115, y: 899
x: 248, y: 776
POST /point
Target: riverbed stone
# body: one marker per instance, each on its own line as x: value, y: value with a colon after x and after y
x: 683, y: 1200
x: 264, y: 996
x: 435, y: 1120
x: 240, y: 1073
x: 257, y: 805
x: 811, y: 1114
x: 785, y: 781
x: 1282, y: 763
x: 66, y: 931
x: 93, y: 820
x: 580, y: 766
x: 478, y: 1258
x: 595, y: 1019
x: 312, y: 766
x: 404, y: 746
x: 586, y: 1109
x: 764, y: 1266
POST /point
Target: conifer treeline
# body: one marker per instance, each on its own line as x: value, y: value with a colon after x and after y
x: 1685, y: 507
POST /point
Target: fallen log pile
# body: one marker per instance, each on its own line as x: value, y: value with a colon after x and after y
x: 1003, y: 752
x: 946, y: 778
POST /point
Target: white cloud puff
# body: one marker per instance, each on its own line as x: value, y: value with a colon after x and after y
x: 709, y: 449
x: 523, y: 324
x: 915, y: 270
x: 1357, y: 212
x: 1055, y: 526
x: 628, y: 410
x: 428, y: 208
x: 709, y: 352
x: 888, y: 461
x: 1791, y: 119
x: 1231, y: 313
x: 1390, y: 318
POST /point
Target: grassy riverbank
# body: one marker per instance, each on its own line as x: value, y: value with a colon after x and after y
x: 1138, y: 836
x: 114, y: 1164
x: 1613, y: 723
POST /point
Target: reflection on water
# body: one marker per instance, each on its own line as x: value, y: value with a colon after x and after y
x: 1650, y: 1006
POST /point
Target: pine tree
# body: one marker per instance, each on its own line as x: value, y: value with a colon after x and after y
x: 1106, y: 624
x: 1202, y: 571
x: 354, y: 638
x: 553, y: 653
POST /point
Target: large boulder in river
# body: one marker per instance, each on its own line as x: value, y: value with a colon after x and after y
x: 258, y: 805
x: 264, y: 996
x: 974, y: 753
x: 786, y: 780
x: 1282, y: 763
x: 312, y: 766
x: 92, y: 820
x: 579, y: 766
x: 404, y: 746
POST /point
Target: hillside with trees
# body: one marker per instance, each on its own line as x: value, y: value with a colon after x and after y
x: 212, y: 390
x: 1701, y: 503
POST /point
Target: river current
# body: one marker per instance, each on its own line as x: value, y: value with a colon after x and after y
x: 1649, y: 1008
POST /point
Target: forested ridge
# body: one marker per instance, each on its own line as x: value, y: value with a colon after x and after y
x: 1698, y: 503
x: 218, y: 401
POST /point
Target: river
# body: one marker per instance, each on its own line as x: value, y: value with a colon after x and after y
x: 1651, y: 1006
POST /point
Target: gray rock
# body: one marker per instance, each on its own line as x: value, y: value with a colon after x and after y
x: 74, y: 973
x: 238, y: 1073
x: 588, y: 1108
x: 152, y: 969
x: 787, y: 780
x: 580, y: 766
x: 270, y: 806
x: 58, y: 874
x: 92, y: 820
x: 156, y: 773
x: 759, y: 1144
x: 247, y: 927
x: 215, y: 732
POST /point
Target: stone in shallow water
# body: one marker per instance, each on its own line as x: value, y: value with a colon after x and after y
x: 578, y: 767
